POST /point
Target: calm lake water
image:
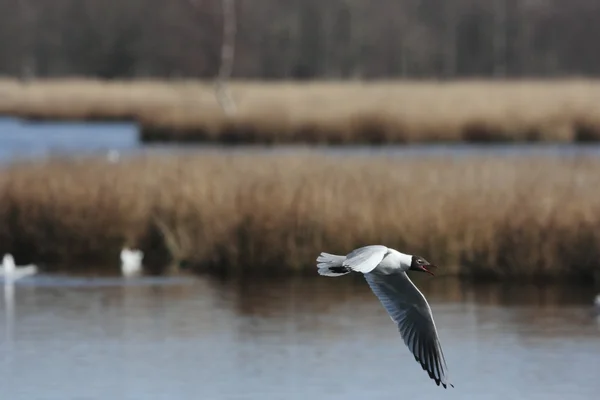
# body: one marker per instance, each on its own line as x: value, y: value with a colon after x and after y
x: 318, y: 338
x: 25, y: 140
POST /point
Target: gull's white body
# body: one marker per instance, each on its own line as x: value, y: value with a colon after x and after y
x: 131, y: 262
x: 385, y: 271
x: 10, y: 272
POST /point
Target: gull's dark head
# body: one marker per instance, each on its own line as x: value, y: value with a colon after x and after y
x: 418, y: 263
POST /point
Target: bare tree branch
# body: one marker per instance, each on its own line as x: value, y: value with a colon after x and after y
x: 227, y: 53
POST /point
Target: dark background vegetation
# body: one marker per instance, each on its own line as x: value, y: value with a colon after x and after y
x: 293, y: 39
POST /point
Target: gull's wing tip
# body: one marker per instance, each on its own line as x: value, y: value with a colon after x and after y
x: 445, y: 385
x: 439, y: 382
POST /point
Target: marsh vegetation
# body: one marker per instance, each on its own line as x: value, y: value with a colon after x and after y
x: 478, y: 217
x: 323, y: 112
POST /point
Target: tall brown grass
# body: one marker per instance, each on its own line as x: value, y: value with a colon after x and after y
x: 324, y: 112
x: 500, y: 217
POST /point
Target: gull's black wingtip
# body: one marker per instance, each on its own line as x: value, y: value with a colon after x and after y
x: 445, y: 385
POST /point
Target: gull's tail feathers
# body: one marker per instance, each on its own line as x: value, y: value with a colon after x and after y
x: 331, y: 265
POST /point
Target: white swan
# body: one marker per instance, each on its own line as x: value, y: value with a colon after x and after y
x: 11, y: 272
x: 131, y: 262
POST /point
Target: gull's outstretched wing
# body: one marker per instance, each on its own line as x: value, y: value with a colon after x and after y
x: 408, y: 308
x: 365, y: 259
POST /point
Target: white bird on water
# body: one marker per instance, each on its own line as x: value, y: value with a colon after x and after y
x: 597, y: 304
x: 11, y: 272
x: 385, y: 271
x: 113, y: 156
x: 131, y: 262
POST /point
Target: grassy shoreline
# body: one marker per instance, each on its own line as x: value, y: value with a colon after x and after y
x: 497, y: 218
x: 321, y: 112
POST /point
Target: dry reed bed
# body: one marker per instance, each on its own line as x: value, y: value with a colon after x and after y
x: 501, y: 217
x: 324, y: 112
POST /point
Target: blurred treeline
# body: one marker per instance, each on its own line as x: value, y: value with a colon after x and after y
x: 291, y: 39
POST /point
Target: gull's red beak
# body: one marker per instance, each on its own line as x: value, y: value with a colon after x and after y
x: 428, y: 268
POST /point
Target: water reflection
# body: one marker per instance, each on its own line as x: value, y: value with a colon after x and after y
x: 160, y: 338
x: 316, y: 297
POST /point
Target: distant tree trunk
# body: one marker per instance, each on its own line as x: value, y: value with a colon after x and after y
x: 451, y: 16
x: 309, y: 60
x: 341, y: 51
x: 525, y: 24
x: 404, y: 73
x: 28, y: 59
x: 227, y: 57
x: 499, y: 38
